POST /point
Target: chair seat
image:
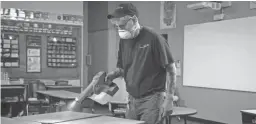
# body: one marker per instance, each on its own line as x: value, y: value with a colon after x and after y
x: 119, y: 111
x: 37, y: 101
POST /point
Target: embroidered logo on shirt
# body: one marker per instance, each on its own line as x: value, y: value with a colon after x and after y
x: 144, y: 46
x: 119, y: 7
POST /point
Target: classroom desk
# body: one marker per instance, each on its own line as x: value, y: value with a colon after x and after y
x: 181, y: 111
x: 177, y: 111
x: 103, y: 120
x: 56, y: 96
x: 15, y: 121
x: 57, y: 117
x: 13, y: 99
x: 249, y: 116
x: 12, y: 90
x: 60, y: 94
x: 76, y: 89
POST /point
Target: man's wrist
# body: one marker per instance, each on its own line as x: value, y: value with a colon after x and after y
x: 114, y: 74
x: 118, y: 72
x: 169, y: 96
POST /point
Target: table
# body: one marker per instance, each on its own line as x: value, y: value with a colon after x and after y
x: 15, y: 96
x: 69, y: 117
x: 15, y: 121
x: 11, y: 90
x: 249, y: 116
x: 103, y: 120
x: 181, y: 111
x: 12, y: 87
x: 61, y: 94
x: 56, y: 96
x: 57, y: 117
x: 76, y: 89
x: 118, y: 108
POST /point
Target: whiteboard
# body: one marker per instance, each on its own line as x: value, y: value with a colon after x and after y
x: 221, y: 55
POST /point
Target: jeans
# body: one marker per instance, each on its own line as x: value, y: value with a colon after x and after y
x: 145, y: 109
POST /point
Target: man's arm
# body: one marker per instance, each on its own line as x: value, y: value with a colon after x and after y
x: 170, y: 80
x: 163, y: 55
x: 118, y: 72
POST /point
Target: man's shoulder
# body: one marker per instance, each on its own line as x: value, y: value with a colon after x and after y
x: 150, y: 30
x: 158, y: 37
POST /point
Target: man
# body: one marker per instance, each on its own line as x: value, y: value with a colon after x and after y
x: 147, y: 65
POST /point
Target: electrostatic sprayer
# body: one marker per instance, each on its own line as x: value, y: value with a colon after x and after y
x: 97, y: 90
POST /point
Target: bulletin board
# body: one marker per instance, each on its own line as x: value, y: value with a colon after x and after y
x: 221, y: 55
x: 32, y: 30
x: 10, y: 57
x: 61, y: 52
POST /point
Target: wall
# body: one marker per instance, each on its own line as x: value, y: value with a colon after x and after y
x: 84, y: 77
x: 66, y: 7
x: 48, y: 73
x: 97, y: 37
x: 216, y: 105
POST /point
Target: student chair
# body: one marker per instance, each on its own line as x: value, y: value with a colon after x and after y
x: 35, y: 104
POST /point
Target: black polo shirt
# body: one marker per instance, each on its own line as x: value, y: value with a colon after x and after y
x: 143, y: 60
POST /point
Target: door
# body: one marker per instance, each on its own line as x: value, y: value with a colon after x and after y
x: 98, y: 50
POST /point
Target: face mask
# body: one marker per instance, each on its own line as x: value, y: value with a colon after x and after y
x: 124, y: 34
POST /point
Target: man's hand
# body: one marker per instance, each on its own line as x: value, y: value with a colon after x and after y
x: 112, y: 75
x: 166, y: 107
x: 109, y: 78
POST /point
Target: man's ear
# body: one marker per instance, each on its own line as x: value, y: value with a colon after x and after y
x: 135, y: 19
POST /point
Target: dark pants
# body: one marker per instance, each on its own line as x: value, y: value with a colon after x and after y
x: 145, y: 109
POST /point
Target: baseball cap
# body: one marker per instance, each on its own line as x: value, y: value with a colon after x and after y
x: 124, y: 9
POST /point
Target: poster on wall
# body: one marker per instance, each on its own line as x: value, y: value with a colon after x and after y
x: 33, y: 64
x: 33, y: 52
x: 167, y: 15
x: 252, y: 4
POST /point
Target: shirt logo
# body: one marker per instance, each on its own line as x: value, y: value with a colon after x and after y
x: 144, y: 46
x: 119, y: 7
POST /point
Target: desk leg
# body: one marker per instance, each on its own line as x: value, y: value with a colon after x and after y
x: 185, y: 119
x: 168, y: 120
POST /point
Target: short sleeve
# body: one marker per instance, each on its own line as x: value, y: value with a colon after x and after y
x: 162, y: 52
x: 119, y: 56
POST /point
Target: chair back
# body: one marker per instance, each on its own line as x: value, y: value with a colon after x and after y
x: 35, y: 86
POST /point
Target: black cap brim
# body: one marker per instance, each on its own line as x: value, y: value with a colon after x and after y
x: 110, y: 16
x: 116, y: 14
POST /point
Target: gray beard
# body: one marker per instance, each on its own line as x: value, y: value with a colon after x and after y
x: 136, y: 31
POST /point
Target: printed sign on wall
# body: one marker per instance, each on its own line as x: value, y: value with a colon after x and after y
x: 33, y: 64
x: 252, y: 4
x: 167, y: 15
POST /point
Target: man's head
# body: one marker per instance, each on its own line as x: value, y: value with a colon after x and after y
x: 125, y: 19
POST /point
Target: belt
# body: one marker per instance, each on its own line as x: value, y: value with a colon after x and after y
x: 150, y: 93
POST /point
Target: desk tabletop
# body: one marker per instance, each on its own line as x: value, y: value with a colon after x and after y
x: 249, y: 111
x: 66, y: 86
x: 118, y: 102
x: 181, y: 111
x: 4, y: 85
x: 57, y: 117
x: 103, y: 120
x: 5, y: 120
x: 59, y: 94
x: 12, y: 87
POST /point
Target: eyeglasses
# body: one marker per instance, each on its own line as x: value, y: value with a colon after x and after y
x: 120, y: 24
